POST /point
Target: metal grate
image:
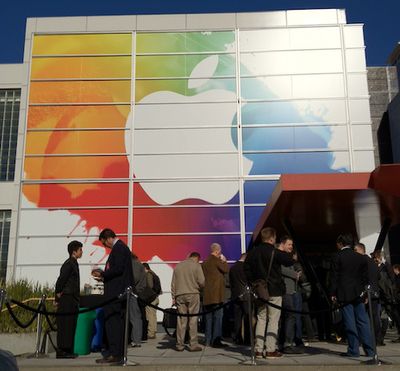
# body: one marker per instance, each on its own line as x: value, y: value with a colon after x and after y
x: 9, y: 116
x: 5, y: 222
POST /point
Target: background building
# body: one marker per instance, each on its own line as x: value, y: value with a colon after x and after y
x: 174, y: 129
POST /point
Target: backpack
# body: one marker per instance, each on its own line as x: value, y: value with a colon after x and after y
x: 156, y: 284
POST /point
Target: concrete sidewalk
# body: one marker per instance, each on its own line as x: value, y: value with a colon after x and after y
x: 158, y: 354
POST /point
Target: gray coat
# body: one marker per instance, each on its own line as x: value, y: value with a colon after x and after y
x: 290, y: 279
x: 139, y: 276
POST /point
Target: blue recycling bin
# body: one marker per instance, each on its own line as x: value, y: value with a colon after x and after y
x: 98, y: 328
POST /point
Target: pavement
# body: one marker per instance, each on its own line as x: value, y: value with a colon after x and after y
x: 158, y: 354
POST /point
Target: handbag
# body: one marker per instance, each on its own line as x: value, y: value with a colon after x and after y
x: 170, y: 320
x: 336, y: 316
x: 147, y: 295
x: 260, y: 286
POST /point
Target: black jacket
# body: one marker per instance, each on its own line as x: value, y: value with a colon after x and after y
x: 387, y: 287
x: 257, y: 263
x: 237, y: 280
x: 349, y: 276
x: 68, y: 280
x: 118, y: 271
x: 373, y: 276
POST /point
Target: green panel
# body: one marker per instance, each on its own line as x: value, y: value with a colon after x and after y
x: 185, y: 42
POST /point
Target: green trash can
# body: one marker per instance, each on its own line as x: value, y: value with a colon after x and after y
x: 84, y: 332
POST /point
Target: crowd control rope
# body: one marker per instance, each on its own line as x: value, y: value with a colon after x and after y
x: 168, y: 310
x: 51, y: 325
x: 27, y: 301
x: 45, y: 312
x: 17, y: 321
x: 42, y: 309
x: 284, y: 309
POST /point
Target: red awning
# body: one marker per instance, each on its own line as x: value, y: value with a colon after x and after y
x: 318, y: 207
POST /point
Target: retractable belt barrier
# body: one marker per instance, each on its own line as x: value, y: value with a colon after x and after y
x: 121, y: 297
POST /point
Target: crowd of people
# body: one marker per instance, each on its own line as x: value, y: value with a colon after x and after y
x: 275, y: 273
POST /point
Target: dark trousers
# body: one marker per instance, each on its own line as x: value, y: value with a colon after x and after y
x: 394, y: 314
x: 289, y: 321
x: 356, y: 324
x: 114, y: 319
x: 298, y: 305
x: 241, y: 325
x: 213, y: 323
x: 66, y: 325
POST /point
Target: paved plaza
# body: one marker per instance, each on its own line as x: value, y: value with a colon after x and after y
x: 158, y: 354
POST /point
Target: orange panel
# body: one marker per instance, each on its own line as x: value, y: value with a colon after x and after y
x: 70, y: 142
x: 48, y: 117
x: 80, y: 92
x: 76, y: 167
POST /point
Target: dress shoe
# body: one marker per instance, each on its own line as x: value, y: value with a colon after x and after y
x: 273, y: 355
x: 259, y: 355
x: 349, y: 355
x: 196, y: 348
x: 218, y: 344
x: 109, y: 360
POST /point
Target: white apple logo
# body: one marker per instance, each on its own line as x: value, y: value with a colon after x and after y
x: 184, y: 111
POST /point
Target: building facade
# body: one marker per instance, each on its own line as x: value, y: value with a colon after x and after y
x: 382, y: 87
x: 174, y: 129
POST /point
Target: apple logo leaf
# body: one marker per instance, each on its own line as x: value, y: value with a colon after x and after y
x: 202, y: 72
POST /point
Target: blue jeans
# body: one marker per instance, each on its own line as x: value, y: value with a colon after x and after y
x: 356, y: 324
x: 213, y: 324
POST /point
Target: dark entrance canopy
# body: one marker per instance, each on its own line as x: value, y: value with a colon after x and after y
x: 316, y: 208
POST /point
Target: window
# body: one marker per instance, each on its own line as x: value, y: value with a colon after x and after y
x: 9, y: 115
x: 5, y: 221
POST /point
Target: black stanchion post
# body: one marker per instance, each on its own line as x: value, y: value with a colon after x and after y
x: 125, y: 362
x: 375, y: 360
x: 249, y: 296
x: 128, y: 302
x: 371, y: 319
x: 3, y: 295
x: 39, y: 330
x: 250, y: 309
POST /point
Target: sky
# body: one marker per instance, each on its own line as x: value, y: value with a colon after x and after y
x: 380, y: 18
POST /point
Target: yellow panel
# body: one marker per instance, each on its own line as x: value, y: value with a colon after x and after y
x: 80, y: 92
x: 81, y: 67
x: 47, y: 117
x: 84, y: 44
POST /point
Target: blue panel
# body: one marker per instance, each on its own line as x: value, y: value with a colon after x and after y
x: 293, y: 163
x: 286, y: 138
x: 258, y: 191
x: 252, y: 216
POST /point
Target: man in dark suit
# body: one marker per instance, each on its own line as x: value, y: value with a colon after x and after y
x: 117, y: 276
x: 238, y: 281
x: 349, y: 279
x: 67, y: 300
